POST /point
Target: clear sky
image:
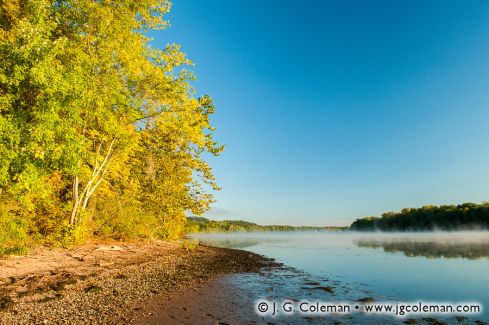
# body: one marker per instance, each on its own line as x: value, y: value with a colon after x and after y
x: 335, y: 110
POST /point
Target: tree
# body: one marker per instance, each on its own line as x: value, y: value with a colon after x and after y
x: 85, y: 100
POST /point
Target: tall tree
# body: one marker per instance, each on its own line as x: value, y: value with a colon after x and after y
x: 85, y: 100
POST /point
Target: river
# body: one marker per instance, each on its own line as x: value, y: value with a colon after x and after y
x: 438, y: 267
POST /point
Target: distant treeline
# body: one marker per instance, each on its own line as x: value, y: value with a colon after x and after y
x: 467, y: 216
x: 200, y: 224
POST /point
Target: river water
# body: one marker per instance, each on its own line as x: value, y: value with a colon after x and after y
x: 403, y: 267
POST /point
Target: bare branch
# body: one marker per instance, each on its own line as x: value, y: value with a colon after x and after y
x: 96, y: 157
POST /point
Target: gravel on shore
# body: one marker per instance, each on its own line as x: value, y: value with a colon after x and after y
x: 108, y: 286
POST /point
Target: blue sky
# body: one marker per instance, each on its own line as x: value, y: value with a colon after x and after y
x: 335, y: 110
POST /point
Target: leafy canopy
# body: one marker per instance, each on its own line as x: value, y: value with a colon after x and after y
x: 99, y: 132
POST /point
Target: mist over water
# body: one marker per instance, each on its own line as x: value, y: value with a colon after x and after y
x: 431, y: 245
x: 429, y: 266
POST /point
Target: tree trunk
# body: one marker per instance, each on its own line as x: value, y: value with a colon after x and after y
x: 75, y: 200
x: 80, y: 201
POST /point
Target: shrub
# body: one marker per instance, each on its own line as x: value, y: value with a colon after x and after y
x: 14, y: 237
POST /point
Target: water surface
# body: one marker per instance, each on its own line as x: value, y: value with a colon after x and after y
x: 438, y: 267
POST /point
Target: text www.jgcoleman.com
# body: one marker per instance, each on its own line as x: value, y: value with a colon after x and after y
x: 398, y: 309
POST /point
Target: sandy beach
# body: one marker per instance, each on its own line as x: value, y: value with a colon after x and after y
x: 122, y: 283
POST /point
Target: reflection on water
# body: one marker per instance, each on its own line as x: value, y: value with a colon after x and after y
x: 469, y: 247
x: 450, y: 267
x: 231, y: 243
x: 288, y: 284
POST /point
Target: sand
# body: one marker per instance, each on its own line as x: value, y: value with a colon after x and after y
x: 119, y: 283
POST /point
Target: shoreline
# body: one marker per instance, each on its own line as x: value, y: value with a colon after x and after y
x: 161, y: 283
x: 216, y: 301
x: 119, y: 283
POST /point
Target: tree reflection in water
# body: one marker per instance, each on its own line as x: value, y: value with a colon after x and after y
x: 431, y: 248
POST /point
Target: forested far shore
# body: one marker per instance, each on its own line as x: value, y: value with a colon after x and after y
x: 201, y: 224
x: 467, y: 216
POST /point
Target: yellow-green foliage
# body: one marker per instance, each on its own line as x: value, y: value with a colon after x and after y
x: 14, y: 237
x: 189, y: 245
x: 100, y: 134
